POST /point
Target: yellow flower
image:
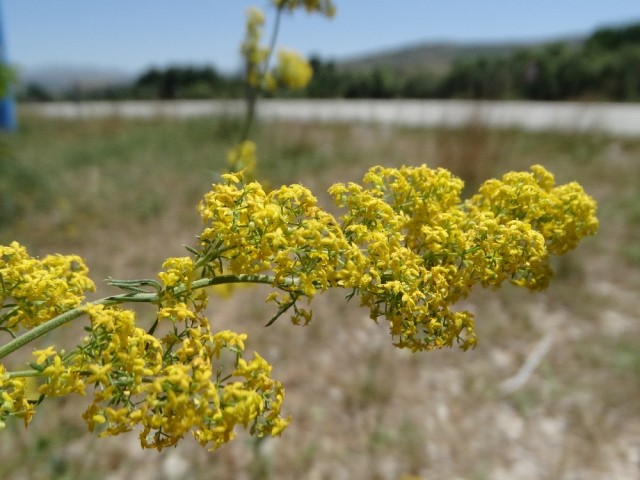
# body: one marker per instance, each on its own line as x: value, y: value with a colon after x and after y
x: 14, y: 401
x: 424, y: 248
x: 39, y: 289
x: 62, y: 379
x: 99, y: 373
x: 292, y: 70
x: 177, y: 270
x: 228, y: 339
x: 254, y: 55
x: 43, y: 355
x: 179, y: 312
x: 242, y: 157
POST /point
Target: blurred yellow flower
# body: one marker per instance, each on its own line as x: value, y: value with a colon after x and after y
x: 292, y: 70
x: 242, y: 157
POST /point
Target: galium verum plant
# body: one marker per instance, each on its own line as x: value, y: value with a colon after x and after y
x: 406, y: 245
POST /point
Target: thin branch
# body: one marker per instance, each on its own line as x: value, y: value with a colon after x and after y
x: 253, y: 92
x: 25, y: 373
x: 133, y: 297
x: 274, y: 38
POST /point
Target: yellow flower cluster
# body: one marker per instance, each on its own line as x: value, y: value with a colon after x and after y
x: 242, y: 157
x: 562, y: 214
x: 425, y: 248
x: 400, y: 220
x: 283, y: 233
x: 165, y: 386
x: 253, y: 53
x: 292, y: 70
x: 408, y: 246
x: 177, y: 271
x: 13, y: 398
x: 62, y: 375
x: 33, y: 291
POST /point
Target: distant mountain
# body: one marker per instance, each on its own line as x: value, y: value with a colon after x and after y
x: 63, y: 78
x: 438, y: 57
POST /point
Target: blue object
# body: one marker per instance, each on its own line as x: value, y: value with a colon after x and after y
x: 7, y: 103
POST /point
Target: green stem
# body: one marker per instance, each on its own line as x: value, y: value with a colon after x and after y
x: 274, y: 38
x: 252, y: 97
x: 143, y: 297
x: 25, y: 373
x: 254, y: 92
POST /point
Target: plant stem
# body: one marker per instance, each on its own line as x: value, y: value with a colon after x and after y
x: 142, y: 297
x: 274, y: 38
x: 253, y: 92
x: 25, y: 373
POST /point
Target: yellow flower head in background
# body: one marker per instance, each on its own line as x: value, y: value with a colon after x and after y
x: 254, y: 55
x: 242, y: 157
x: 292, y: 71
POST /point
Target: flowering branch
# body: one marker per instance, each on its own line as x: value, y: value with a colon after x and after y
x: 406, y: 245
x: 132, y: 297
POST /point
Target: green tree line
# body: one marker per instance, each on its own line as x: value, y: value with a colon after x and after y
x: 170, y: 83
x: 605, y: 66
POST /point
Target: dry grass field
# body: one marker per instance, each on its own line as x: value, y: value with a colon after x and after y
x: 122, y: 194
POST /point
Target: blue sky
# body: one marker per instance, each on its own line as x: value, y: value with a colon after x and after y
x: 132, y: 35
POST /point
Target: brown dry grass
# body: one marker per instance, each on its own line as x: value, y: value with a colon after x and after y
x: 361, y: 408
